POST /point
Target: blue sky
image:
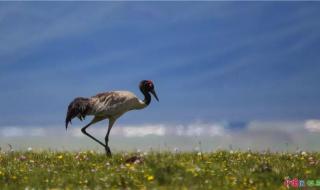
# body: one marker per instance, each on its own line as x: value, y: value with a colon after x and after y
x: 210, y: 61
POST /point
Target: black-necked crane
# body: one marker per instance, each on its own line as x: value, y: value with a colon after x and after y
x: 109, y: 105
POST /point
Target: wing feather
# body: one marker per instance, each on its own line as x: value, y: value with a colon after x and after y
x: 111, y: 103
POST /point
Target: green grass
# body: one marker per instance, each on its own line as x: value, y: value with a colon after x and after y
x: 165, y: 170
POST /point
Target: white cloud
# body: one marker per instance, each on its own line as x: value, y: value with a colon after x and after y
x: 198, y: 129
x: 18, y: 131
x: 143, y: 131
x: 257, y: 135
x: 312, y: 125
x: 194, y: 129
x: 37, y: 132
x: 75, y: 132
x: 11, y: 132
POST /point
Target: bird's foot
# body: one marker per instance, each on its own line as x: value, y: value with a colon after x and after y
x: 108, y: 151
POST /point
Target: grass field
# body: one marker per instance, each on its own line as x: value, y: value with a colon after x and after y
x: 154, y: 170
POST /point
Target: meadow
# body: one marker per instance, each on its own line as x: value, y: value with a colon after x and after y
x: 156, y: 170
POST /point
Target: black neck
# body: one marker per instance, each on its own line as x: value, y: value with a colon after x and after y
x: 147, y: 97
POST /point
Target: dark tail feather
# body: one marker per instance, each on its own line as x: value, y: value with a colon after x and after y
x: 77, y: 108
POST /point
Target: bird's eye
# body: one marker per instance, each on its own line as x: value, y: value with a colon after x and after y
x: 148, y: 83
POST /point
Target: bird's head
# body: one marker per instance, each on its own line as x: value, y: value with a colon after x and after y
x: 147, y: 86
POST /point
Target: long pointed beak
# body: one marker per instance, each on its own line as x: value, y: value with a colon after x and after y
x: 154, y: 94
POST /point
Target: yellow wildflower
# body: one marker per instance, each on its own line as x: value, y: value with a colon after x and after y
x: 150, y: 178
x: 60, y: 157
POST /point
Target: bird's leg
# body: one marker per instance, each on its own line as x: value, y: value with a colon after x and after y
x: 85, y: 132
x: 108, y: 151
